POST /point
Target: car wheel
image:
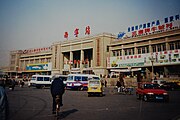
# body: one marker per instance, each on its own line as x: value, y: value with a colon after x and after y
x: 145, y: 98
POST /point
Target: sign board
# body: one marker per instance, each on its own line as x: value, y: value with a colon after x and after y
x: 139, y: 60
x: 37, y: 67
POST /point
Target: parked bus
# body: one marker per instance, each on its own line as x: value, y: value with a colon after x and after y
x: 40, y: 81
x: 79, y: 81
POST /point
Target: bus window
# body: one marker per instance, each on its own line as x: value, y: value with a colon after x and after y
x: 46, y: 79
x: 84, y: 78
x: 33, y: 78
x: 77, y: 78
x: 39, y: 78
x: 70, y: 78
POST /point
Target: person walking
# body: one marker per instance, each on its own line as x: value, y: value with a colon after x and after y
x: 57, y: 88
x: 4, y: 108
x: 118, y: 84
x: 12, y: 84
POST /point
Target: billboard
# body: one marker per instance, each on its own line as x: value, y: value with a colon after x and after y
x: 151, y: 27
x: 141, y: 60
x: 39, y: 67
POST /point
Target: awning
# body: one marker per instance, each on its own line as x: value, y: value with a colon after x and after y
x: 125, y: 70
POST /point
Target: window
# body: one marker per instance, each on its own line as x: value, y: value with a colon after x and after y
x: 84, y: 78
x: 143, y: 50
x: 114, y: 53
x: 39, y: 78
x: 96, y: 78
x: 46, y: 79
x: 120, y: 52
x: 107, y: 50
x: 139, y: 50
x: 147, y: 49
x: 132, y: 51
x: 125, y: 52
x: 70, y: 78
x: 171, y: 45
x: 163, y: 47
x: 159, y: 48
x: 117, y: 53
x: 177, y: 45
x: 77, y: 78
x: 129, y: 52
x: 154, y: 48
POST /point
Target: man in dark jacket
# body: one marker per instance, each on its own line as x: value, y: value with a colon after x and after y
x: 4, y: 109
x: 57, y: 88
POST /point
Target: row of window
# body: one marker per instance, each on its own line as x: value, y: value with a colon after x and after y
x: 145, y: 49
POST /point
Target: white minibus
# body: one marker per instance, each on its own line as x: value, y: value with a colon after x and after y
x: 79, y: 81
x: 40, y: 81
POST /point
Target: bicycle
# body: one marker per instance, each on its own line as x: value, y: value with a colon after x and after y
x: 57, y: 106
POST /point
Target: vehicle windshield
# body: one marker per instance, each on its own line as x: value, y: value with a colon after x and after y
x: 151, y: 86
x: 94, y: 83
x: 96, y: 78
x: 70, y: 78
x: 33, y: 78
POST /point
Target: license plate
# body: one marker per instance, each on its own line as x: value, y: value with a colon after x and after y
x: 159, y: 98
x: 94, y: 88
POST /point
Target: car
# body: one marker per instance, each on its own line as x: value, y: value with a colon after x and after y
x: 148, y: 91
x: 171, y: 86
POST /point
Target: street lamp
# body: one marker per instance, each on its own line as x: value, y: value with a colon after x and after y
x: 152, y: 61
x: 16, y: 72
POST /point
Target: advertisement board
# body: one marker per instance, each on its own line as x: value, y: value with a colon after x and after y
x: 40, y: 66
x: 139, y: 60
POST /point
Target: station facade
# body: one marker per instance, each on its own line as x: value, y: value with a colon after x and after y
x: 25, y: 63
x: 151, y: 50
x: 82, y: 55
x: 154, y: 55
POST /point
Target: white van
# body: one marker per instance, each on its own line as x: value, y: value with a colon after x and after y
x: 79, y: 81
x: 40, y: 81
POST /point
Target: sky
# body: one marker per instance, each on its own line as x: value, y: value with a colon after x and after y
x: 26, y: 24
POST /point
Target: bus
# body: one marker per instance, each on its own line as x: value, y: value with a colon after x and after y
x: 79, y: 81
x: 41, y: 81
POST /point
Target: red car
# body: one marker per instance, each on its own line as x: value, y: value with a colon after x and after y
x: 151, y: 92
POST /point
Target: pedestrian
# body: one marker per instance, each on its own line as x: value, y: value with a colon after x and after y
x: 4, y: 108
x: 12, y: 84
x: 57, y: 88
x: 22, y: 83
x: 105, y: 83
x: 29, y: 83
x: 118, y: 85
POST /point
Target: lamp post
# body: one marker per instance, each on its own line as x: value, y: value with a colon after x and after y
x: 16, y: 72
x: 152, y: 61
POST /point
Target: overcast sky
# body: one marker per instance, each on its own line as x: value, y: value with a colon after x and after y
x: 28, y: 24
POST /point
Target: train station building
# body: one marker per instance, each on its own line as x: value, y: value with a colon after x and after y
x: 147, y: 50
